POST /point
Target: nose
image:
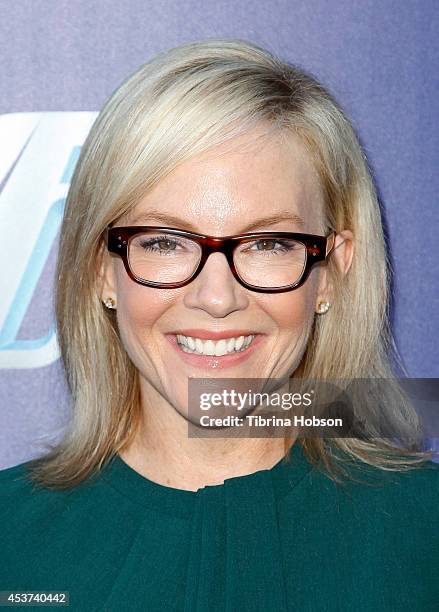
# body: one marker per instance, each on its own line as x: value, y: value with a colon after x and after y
x: 215, y: 290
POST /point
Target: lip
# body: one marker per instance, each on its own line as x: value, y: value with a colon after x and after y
x: 205, y: 334
x: 213, y: 361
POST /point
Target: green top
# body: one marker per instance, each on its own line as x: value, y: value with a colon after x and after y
x: 285, y: 538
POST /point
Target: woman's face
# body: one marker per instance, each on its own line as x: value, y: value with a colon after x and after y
x: 262, y: 185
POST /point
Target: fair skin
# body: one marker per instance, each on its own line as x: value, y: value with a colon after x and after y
x: 221, y: 192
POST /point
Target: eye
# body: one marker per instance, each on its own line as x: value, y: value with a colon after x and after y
x: 161, y: 244
x: 266, y: 245
x: 156, y: 244
x: 272, y: 246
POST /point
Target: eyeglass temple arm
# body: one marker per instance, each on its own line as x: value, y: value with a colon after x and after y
x: 330, y: 244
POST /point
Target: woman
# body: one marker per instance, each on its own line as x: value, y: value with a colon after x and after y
x: 128, y: 512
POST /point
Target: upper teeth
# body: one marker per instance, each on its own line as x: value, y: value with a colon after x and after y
x: 210, y: 347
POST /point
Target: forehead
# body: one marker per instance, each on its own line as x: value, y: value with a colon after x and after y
x: 252, y: 176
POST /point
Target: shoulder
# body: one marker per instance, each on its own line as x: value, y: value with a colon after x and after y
x: 47, y: 532
x: 378, y: 513
x: 18, y: 490
x: 405, y: 497
x: 22, y: 501
x: 27, y: 506
x: 14, y: 481
x: 365, y: 479
x: 378, y: 533
x: 422, y: 480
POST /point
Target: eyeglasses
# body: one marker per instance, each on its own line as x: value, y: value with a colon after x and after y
x: 267, y: 262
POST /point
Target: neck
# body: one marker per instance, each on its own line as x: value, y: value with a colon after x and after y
x: 162, y: 451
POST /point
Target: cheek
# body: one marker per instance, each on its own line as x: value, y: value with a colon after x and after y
x: 292, y: 311
x: 139, y: 308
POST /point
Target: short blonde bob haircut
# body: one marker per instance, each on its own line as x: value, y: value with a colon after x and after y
x: 181, y: 103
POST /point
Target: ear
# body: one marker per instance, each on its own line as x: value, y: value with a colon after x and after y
x: 106, y: 277
x: 342, y: 254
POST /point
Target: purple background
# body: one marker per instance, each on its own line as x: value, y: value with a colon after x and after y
x: 379, y: 58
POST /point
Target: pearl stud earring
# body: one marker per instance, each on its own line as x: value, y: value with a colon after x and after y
x: 110, y: 303
x: 323, y: 307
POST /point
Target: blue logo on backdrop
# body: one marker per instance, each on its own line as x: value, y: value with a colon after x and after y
x: 35, y: 173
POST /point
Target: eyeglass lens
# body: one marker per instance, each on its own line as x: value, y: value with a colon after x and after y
x: 264, y: 262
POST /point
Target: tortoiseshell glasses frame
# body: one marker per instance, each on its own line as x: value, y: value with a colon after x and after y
x: 318, y: 248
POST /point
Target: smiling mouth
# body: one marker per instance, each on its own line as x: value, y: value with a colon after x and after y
x: 218, y: 348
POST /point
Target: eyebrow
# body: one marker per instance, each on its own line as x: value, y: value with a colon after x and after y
x: 147, y: 217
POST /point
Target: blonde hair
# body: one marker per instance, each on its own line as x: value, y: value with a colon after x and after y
x: 179, y: 104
